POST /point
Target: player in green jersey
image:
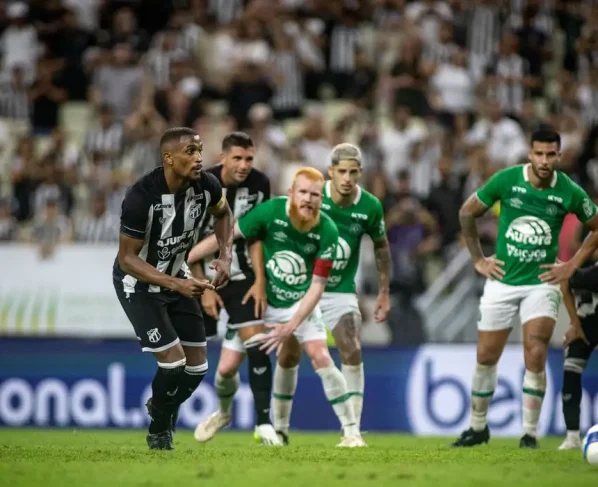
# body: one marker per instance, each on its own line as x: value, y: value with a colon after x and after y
x: 356, y: 213
x: 523, y: 276
x: 299, y: 243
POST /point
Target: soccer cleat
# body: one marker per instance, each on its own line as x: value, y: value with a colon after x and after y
x: 266, y: 435
x: 284, y: 437
x: 528, y: 441
x: 571, y: 443
x: 160, y: 441
x: 207, y: 430
x: 471, y: 437
x: 352, y: 442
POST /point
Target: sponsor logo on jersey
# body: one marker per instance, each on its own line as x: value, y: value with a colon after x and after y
x: 288, y: 267
x: 161, y: 206
x: 557, y: 199
x: 343, y: 254
x: 313, y: 235
x: 282, y: 223
x: 280, y: 236
x: 588, y: 207
x: 515, y: 202
x: 325, y: 206
x: 528, y: 231
x: 174, y: 245
x: 195, y: 197
x: 359, y: 216
x: 519, y: 189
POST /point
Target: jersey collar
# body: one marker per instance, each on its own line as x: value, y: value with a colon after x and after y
x: 526, y: 177
x: 327, y: 192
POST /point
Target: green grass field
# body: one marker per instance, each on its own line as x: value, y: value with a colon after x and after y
x: 52, y: 458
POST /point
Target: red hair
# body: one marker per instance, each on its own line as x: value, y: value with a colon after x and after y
x: 310, y: 173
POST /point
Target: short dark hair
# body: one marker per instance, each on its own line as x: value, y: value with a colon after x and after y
x: 175, y: 133
x: 547, y: 135
x: 236, y: 139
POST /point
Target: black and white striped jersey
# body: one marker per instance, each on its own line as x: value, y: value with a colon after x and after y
x: 584, y: 286
x: 167, y: 223
x: 241, y: 199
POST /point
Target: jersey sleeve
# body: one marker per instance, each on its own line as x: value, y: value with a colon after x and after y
x: 326, y: 252
x: 134, y: 214
x: 253, y: 224
x: 214, y: 188
x: 377, y: 227
x: 581, y: 204
x: 490, y: 193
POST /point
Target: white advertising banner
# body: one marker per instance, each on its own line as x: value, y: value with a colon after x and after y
x: 69, y: 294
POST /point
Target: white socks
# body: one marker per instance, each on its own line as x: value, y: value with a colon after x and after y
x: 283, y: 390
x: 355, y: 385
x: 534, y: 387
x: 484, y: 383
x: 225, y: 389
x: 335, y: 388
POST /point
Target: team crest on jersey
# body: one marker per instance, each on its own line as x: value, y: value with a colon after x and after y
x: 355, y: 228
x: 309, y: 248
x: 195, y: 211
x: 551, y: 210
x: 153, y: 335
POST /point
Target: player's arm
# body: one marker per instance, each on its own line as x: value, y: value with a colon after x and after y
x: 209, y: 246
x: 473, y: 208
x: 377, y: 233
x: 258, y: 290
x: 575, y: 331
x: 223, y: 217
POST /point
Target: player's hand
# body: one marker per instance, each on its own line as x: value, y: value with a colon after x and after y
x: 192, y: 287
x: 556, y: 273
x: 222, y: 268
x: 279, y: 333
x: 574, y: 332
x: 212, y: 303
x: 490, y: 268
x: 258, y: 293
x: 382, y: 307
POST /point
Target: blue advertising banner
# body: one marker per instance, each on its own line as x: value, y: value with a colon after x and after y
x: 424, y: 391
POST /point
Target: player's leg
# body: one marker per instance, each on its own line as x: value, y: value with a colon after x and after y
x: 341, y: 316
x: 156, y: 334
x: 285, y: 385
x: 498, y: 309
x: 576, y: 359
x: 226, y: 383
x: 312, y: 336
x: 538, y: 314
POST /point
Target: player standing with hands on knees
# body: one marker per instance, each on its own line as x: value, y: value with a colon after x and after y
x: 160, y: 216
x: 523, y: 278
x: 299, y: 244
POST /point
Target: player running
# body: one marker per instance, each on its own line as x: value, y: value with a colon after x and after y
x: 522, y: 278
x: 160, y: 216
x: 356, y: 213
x: 580, y: 295
x: 243, y: 298
x: 298, y: 244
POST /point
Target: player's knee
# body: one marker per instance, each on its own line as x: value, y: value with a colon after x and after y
x: 195, y: 355
x: 351, y: 355
x: 488, y: 354
x: 288, y: 358
x: 170, y: 355
x: 319, y: 356
x: 535, y: 356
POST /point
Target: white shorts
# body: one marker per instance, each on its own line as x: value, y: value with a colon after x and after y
x: 335, y: 305
x: 311, y: 329
x: 232, y: 341
x: 502, y: 304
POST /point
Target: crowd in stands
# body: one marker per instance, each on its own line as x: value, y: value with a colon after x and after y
x: 439, y: 94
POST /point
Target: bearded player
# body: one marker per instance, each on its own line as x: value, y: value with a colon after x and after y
x: 523, y: 276
x: 299, y: 245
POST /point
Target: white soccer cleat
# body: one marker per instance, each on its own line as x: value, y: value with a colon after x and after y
x: 571, y: 443
x: 352, y: 442
x: 207, y: 430
x: 266, y: 435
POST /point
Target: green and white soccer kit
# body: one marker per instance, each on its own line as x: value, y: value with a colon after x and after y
x: 290, y: 257
x: 529, y: 225
x: 364, y: 216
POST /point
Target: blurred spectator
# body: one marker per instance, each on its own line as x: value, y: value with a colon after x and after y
x: 19, y: 43
x: 314, y: 144
x: 14, y: 97
x: 25, y: 175
x: 46, y: 95
x: 99, y: 225
x: 288, y: 75
x: 106, y: 137
x: 124, y: 30
x: 8, y: 224
x: 50, y: 229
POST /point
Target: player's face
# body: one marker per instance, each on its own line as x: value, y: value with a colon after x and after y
x: 187, y: 157
x: 544, y: 157
x: 305, y: 202
x: 238, y: 163
x: 345, y: 176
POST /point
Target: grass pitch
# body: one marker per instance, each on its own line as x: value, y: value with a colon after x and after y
x: 53, y: 458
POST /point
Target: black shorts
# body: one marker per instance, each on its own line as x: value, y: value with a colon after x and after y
x: 579, y: 349
x: 239, y: 315
x: 161, y: 320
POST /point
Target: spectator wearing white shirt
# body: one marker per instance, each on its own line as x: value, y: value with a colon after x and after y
x: 99, y: 225
x: 428, y: 15
x: 19, y: 43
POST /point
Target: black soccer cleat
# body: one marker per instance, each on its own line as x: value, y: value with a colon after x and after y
x: 160, y: 441
x: 471, y: 437
x: 528, y: 441
x: 283, y: 437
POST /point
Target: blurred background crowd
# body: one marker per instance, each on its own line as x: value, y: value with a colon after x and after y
x: 438, y: 94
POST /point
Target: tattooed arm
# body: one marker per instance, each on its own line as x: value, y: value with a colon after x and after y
x: 382, y: 255
x: 471, y: 210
